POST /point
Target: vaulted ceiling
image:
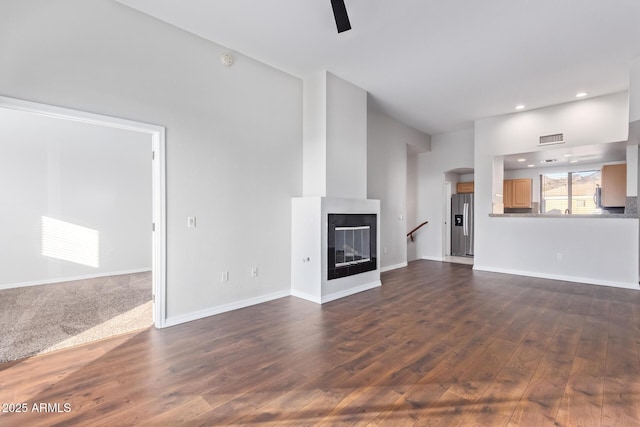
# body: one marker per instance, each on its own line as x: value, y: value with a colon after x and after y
x: 436, y: 65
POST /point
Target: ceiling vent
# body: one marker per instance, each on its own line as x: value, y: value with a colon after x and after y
x: 557, y: 138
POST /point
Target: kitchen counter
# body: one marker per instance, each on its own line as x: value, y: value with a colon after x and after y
x: 538, y: 215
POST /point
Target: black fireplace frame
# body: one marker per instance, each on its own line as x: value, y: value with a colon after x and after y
x: 351, y: 220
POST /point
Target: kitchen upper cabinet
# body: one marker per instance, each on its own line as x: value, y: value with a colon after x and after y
x: 516, y: 193
x: 464, y: 187
x: 614, y: 185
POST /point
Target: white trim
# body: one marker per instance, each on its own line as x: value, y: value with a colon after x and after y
x: 432, y: 258
x: 446, y: 224
x: 306, y: 296
x: 72, y: 278
x: 157, y: 134
x: 160, y: 233
x: 351, y: 291
x: 393, y: 267
x: 200, y: 314
x: 585, y: 280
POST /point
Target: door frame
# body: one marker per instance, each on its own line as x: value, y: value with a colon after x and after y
x: 157, y: 134
x: 446, y: 235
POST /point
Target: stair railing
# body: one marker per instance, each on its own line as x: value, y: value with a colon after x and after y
x: 410, y: 234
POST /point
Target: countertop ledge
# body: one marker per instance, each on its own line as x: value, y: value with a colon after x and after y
x: 536, y: 215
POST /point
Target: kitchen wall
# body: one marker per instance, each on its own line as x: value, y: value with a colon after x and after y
x: 599, y: 251
x: 534, y: 174
x: 449, y: 152
x: 234, y: 135
x: 387, y: 141
x: 76, y: 197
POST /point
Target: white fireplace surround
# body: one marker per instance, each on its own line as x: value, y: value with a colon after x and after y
x: 309, y: 242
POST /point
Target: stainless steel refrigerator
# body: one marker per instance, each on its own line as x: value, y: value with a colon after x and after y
x: 462, y: 224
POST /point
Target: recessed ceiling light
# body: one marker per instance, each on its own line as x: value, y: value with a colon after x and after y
x: 531, y: 166
x: 520, y: 107
x: 573, y: 161
x: 522, y: 160
x: 581, y: 94
x: 568, y: 155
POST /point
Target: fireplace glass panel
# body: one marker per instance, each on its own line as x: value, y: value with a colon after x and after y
x: 352, y: 245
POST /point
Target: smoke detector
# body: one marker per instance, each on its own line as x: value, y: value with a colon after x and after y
x: 226, y: 59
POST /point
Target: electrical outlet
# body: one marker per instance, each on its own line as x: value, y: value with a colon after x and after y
x: 254, y: 271
x: 191, y: 221
x: 384, y: 250
x: 559, y: 256
x: 225, y: 276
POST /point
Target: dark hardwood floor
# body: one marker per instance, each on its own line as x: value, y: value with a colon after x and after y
x: 437, y: 344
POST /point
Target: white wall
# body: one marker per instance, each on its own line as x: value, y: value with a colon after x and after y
x: 346, y: 139
x: 234, y: 135
x: 634, y: 91
x: 589, y: 121
x: 602, y: 251
x: 84, y: 175
x: 412, y: 202
x: 466, y: 177
x: 593, y: 250
x: 387, y: 180
x: 335, y: 137
x: 449, y: 152
x: 314, y: 130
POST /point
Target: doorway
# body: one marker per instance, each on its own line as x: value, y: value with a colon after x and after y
x: 453, y: 180
x: 62, y: 243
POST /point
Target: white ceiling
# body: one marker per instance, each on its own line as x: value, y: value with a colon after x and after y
x: 436, y: 65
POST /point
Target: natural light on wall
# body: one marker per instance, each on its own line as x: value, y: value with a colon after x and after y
x: 70, y: 242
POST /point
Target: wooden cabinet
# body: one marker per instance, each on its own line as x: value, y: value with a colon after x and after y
x: 516, y: 193
x: 464, y: 187
x: 614, y: 185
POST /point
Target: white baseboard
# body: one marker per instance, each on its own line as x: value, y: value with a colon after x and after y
x: 393, y: 267
x: 304, y: 295
x: 200, y: 314
x: 72, y: 278
x: 586, y: 280
x: 351, y: 291
x: 432, y: 258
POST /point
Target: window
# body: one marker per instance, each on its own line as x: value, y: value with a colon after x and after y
x: 569, y: 192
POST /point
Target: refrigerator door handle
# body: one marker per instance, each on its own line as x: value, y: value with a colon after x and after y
x: 465, y: 219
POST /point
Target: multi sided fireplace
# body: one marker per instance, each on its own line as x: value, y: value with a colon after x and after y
x: 351, y: 244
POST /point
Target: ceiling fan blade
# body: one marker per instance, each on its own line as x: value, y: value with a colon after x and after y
x: 340, y: 14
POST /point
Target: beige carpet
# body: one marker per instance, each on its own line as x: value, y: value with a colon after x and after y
x: 39, y: 319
